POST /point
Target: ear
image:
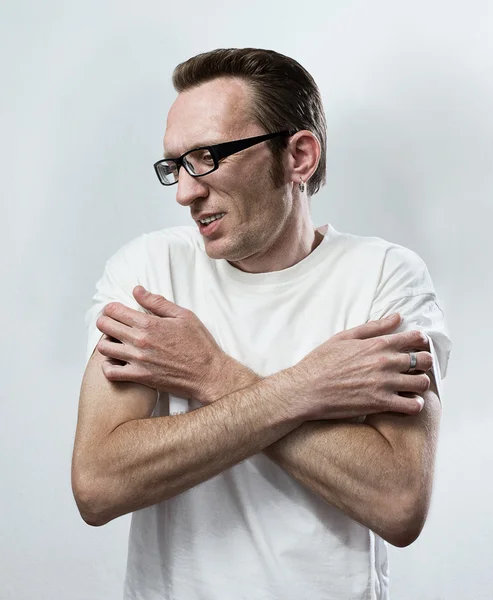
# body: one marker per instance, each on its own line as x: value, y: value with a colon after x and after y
x: 303, y: 155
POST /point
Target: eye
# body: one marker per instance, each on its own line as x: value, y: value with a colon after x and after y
x: 206, y: 157
x: 199, y: 161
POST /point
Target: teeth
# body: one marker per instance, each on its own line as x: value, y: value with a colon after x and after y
x: 213, y: 218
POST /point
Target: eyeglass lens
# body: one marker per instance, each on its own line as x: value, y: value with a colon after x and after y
x: 197, y: 162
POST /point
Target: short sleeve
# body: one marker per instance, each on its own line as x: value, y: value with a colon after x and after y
x: 120, y: 276
x: 405, y: 287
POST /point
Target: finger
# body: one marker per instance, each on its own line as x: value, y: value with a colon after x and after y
x: 157, y: 304
x: 113, y: 328
x: 371, y: 328
x: 413, y: 383
x: 424, y: 362
x: 126, y: 315
x: 409, y: 340
x: 115, y: 372
x: 112, y: 350
x: 409, y: 405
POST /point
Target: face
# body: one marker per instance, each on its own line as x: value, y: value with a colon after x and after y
x: 256, y: 210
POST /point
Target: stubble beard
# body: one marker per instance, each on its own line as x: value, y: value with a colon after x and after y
x: 241, y: 247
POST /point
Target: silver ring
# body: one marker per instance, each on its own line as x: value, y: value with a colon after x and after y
x: 413, y: 361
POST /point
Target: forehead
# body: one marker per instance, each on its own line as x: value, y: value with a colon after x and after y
x: 213, y: 112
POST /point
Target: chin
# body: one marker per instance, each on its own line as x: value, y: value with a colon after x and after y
x: 217, y: 249
x: 214, y: 250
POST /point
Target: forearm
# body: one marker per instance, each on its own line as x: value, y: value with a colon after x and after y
x: 146, y: 461
x: 350, y: 465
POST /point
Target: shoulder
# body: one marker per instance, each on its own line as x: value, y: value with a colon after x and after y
x: 180, y: 236
x: 376, y: 246
x: 155, y: 247
x: 388, y: 258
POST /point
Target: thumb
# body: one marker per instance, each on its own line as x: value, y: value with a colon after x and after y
x: 372, y: 328
x: 155, y: 303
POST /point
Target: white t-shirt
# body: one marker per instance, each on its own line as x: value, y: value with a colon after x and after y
x: 253, y: 532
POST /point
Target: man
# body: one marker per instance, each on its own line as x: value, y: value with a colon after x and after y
x: 248, y: 402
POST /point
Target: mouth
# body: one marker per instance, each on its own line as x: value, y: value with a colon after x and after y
x: 209, y: 228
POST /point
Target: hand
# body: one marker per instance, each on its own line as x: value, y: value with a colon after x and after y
x: 170, y: 350
x: 332, y: 377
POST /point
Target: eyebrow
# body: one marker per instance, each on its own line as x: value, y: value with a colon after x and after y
x: 210, y: 142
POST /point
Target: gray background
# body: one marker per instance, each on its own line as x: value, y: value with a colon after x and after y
x: 408, y: 92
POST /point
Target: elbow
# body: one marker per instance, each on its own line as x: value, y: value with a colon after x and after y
x: 407, y: 522
x: 88, y: 498
x: 403, y: 537
x: 91, y: 519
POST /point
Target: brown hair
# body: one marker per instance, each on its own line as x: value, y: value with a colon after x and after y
x: 285, y: 96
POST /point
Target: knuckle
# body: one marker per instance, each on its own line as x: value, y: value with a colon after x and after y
x: 100, y: 321
x: 423, y: 383
x: 428, y: 360
x: 112, y: 308
x: 146, y: 321
x: 186, y: 313
x: 383, y: 361
x: 409, y: 339
x: 375, y: 344
x: 141, y: 341
x: 411, y: 405
x: 404, y: 337
x: 156, y: 299
x: 385, y: 341
x: 419, y: 337
x: 400, y: 338
x: 107, y: 370
x: 407, y: 402
x: 139, y: 354
x: 114, y: 375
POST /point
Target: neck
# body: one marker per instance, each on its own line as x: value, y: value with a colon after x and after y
x: 295, y: 242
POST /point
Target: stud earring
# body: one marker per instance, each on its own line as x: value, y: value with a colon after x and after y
x: 302, y: 186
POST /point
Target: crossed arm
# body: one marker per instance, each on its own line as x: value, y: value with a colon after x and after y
x: 379, y: 473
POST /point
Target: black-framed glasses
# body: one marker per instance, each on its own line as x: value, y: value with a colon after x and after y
x: 204, y: 160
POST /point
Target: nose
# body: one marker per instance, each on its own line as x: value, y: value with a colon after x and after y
x: 190, y: 188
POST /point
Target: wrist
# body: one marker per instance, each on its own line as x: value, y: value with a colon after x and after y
x: 288, y: 389
x: 226, y: 375
x: 301, y: 393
